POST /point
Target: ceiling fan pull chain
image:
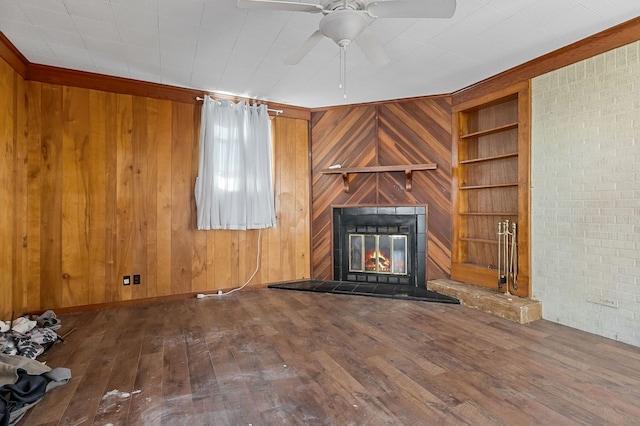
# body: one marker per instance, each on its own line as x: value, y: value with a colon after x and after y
x: 344, y: 72
x: 340, y: 67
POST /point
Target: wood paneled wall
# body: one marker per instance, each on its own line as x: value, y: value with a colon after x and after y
x: 9, y: 264
x: 403, y: 132
x: 100, y: 185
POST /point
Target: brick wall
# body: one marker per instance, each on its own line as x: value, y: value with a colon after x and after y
x: 585, y: 212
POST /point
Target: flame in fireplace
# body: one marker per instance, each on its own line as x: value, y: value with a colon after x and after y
x: 378, y: 259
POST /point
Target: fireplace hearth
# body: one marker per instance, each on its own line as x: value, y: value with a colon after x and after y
x: 387, y: 291
x: 382, y: 245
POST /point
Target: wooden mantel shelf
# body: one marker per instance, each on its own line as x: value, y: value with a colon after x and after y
x: 407, y: 169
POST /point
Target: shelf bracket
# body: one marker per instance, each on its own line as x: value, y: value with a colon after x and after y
x: 408, y: 179
x: 345, y: 181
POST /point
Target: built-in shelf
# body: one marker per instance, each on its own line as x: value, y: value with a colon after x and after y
x: 496, y: 185
x: 490, y: 131
x: 494, y: 157
x: 489, y: 214
x: 490, y: 177
x: 479, y: 240
x: 407, y: 169
x: 477, y: 265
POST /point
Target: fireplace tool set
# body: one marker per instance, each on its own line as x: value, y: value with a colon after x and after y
x: 507, y: 256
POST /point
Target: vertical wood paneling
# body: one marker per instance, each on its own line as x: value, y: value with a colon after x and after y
x: 51, y: 196
x: 225, y: 276
x: 100, y: 185
x: 112, y: 280
x: 243, y: 261
x: 247, y: 246
x: 292, y: 162
x: 150, y: 147
x: 124, y: 194
x: 96, y: 158
x: 302, y: 230
x: 21, y: 245
x: 7, y: 195
x: 199, y: 259
x: 75, y: 196
x: 234, y: 256
x: 212, y: 276
x: 408, y: 132
x: 287, y: 195
x: 524, y: 186
x: 272, y: 253
x: 139, y: 201
x: 34, y: 186
x: 164, y: 203
x: 181, y: 194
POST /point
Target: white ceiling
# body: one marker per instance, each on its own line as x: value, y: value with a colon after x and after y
x: 213, y: 46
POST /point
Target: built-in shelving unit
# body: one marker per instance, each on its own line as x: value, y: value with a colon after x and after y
x: 490, y: 184
x: 407, y: 169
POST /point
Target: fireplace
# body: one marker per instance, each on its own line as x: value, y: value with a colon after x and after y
x: 385, y: 245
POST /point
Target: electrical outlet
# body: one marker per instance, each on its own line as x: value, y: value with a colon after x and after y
x: 126, y: 280
x: 136, y: 279
x: 601, y: 300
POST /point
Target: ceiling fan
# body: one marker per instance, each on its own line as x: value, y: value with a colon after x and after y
x: 346, y: 21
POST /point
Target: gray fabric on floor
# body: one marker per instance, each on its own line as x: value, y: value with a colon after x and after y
x: 9, y: 365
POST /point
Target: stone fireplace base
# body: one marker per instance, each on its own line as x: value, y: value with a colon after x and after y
x: 514, y: 308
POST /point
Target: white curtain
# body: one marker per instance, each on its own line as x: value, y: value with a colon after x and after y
x: 234, y: 187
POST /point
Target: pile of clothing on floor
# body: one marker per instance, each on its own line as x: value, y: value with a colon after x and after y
x: 23, y: 379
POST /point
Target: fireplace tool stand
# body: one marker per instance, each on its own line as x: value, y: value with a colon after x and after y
x: 507, y: 256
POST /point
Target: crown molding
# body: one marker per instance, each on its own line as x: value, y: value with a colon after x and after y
x: 611, y: 38
x: 68, y: 77
x: 12, y: 55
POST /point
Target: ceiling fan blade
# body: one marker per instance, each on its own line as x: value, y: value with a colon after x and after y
x: 412, y: 9
x: 280, y: 5
x: 372, y: 49
x: 306, y: 47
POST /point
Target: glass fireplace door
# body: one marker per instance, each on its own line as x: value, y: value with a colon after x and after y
x: 379, y: 254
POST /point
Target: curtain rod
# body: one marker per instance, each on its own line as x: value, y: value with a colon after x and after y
x: 276, y: 111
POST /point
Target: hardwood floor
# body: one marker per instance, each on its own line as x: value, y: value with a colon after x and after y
x: 267, y: 356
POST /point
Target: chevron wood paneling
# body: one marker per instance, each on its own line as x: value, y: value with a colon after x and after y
x: 404, y: 132
x: 413, y: 132
x: 344, y: 136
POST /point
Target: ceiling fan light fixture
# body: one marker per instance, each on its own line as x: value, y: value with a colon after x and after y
x: 343, y: 26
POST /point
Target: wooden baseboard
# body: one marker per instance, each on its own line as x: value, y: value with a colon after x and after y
x: 144, y: 301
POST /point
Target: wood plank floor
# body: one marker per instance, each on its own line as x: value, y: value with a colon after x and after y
x: 265, y: 357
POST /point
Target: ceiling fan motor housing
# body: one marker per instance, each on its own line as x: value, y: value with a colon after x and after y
x: 348, y: 4
x: 343, y: 26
